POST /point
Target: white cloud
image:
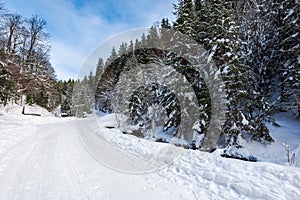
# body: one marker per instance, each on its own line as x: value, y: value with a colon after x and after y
x: 75, y: 32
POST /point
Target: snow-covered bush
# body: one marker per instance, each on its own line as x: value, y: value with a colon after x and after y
x: 291, y: 157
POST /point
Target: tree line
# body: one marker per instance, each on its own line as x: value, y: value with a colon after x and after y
x: 26, y: 74
x: 254, y: 44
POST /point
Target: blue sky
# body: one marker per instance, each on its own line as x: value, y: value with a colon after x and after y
x: 77, y: 27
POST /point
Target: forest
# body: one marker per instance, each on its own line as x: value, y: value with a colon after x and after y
x: 254, y: 44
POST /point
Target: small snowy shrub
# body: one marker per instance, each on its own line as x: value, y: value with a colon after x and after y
x: 291, y: 157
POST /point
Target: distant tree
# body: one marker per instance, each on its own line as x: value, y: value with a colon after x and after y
x: 105, y: 90
x: 67, y: 101
x: 142, y: 43
x: 130, y: 47
x: 165, y: 23
x: 153, y: 38
x: 122, y: 49
x: 136, y: 44
x: 82, y: 98
x: 99, y: 70
x: 112, y: 57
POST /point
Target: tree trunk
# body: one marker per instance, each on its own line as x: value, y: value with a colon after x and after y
x: 8, y: 46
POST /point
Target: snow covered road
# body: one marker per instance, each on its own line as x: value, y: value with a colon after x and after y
x: 51, y: 163
x: 38, y: 167
x: 40, y: 159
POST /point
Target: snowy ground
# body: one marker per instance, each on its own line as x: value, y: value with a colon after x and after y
x: 45, y: 158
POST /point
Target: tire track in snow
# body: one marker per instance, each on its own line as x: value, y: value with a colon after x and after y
x: 74, y: 175
x: 39, y: 159
x: 14, y: 175
x: 30, y: 172
x: 13, y: 146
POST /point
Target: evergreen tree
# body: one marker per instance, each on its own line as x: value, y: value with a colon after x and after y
x: 165, y: 23
x: 130, y: 48
x: 289, y: 53
x: 200, y: 33
x: 67, y: 101
x: 113, y: 56
x: 185, y: 17
x: 82, y: 98
x: 99, y: 70
x: 122, y: 49
x: 137, y: 44
x: 153, y: 38
x: 143, y: 42
x: 253, y: 43
x: 153, y: 106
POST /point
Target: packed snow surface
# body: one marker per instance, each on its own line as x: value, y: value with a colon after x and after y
x: 45, y: 158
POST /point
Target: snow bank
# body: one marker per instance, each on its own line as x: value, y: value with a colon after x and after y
x: 16, y: 110
x: 288, y: 133
x: 200, y: 175
x: 11, y: 117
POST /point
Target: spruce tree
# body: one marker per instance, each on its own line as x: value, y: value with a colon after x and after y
x: 185, y: 17
x: 113, y: 56
x: 289, y: 53
x: 99, y: 69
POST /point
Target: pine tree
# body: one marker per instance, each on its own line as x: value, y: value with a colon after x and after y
x: 130, y: 48
x: 113, y: 56
x: 165, y: 23
x: 82, y: 98
x: 218, y: 28
x: 200, y: 32
x: 123, y: 49
x: 153, y: 38
x: 105, y: 90
x: 289, y: 51
x: 185, y: 17
x: 152, y: 106
x: 99, y: 70
x: 143, y: 42
x: 67, y: 101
